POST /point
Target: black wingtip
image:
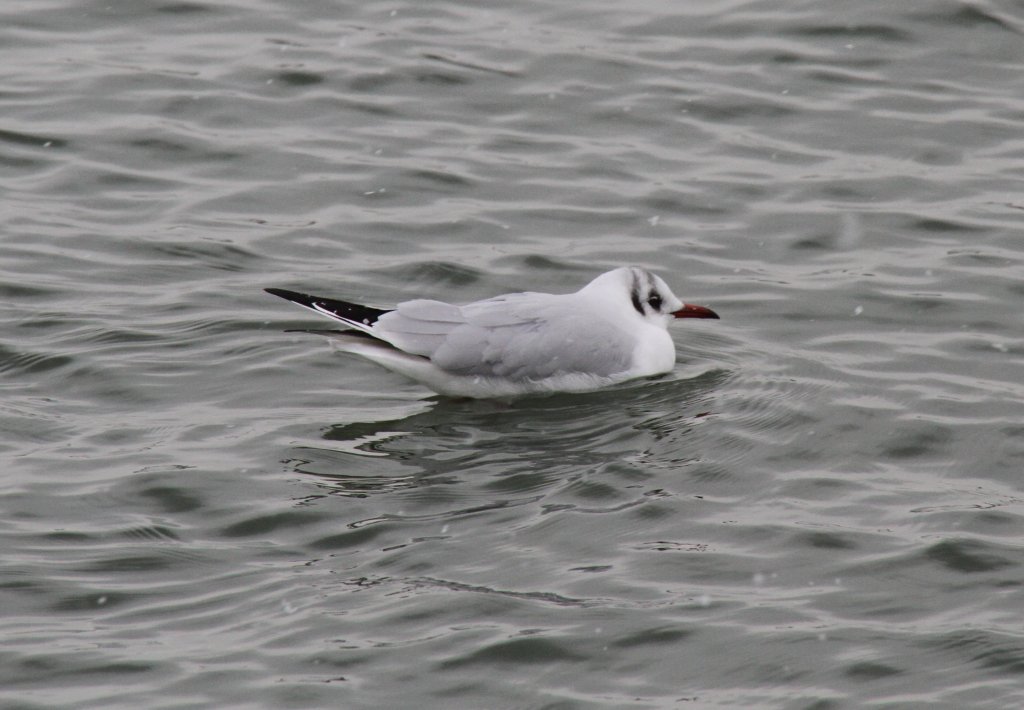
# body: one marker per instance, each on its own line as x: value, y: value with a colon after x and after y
x: 285, y: 293
x: 301, y: 299
x: 342, y: 310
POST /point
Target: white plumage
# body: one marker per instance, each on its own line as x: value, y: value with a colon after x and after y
x: 613, y: 329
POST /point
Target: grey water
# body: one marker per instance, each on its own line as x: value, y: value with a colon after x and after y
x: 821, y: 507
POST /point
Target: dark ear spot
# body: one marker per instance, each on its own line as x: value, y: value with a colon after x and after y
x: 634, y: 296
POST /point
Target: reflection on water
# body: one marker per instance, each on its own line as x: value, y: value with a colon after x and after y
x: 520, y: 446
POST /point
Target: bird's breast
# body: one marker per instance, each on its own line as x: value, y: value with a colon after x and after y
x: 655, y: 353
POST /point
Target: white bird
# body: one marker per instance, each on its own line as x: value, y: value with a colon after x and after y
x: 613, y: 329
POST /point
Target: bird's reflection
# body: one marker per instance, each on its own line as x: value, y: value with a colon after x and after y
x: 519, y: 446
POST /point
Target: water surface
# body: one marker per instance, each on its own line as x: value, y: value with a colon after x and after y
x: 820, y: 508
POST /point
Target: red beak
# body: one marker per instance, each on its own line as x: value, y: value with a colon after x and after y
x: 691, y: 311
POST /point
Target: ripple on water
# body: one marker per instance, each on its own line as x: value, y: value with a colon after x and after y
x: 819, y: 508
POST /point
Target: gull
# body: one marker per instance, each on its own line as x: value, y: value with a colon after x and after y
x: 612, y: 330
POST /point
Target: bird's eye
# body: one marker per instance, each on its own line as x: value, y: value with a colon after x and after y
x: 654, y: 301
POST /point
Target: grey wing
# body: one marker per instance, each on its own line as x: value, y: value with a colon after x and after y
x: 531, y: 337
x: 419, y: 327
x: 423, y: 326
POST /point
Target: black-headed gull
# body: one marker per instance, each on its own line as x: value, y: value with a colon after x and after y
x: 613, y: 329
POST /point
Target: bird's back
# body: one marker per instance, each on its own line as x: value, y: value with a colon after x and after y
x: 523, y: 336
